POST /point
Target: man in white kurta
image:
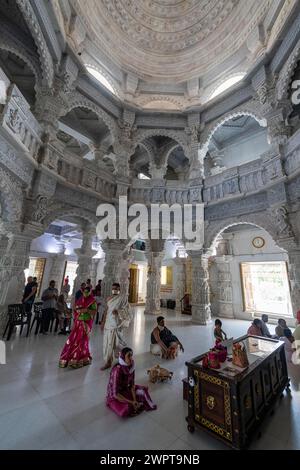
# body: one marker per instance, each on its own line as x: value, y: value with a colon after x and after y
x: 116, y: 318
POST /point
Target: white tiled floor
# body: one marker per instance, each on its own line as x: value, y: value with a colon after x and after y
x: 44, y: 407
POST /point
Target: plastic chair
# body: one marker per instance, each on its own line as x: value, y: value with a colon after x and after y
x: 17, y: 316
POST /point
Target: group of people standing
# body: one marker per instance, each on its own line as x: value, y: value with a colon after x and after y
x: 115, y: 316
x: 49, y: 298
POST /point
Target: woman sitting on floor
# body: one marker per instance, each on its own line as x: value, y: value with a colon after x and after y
x: 123, y: 396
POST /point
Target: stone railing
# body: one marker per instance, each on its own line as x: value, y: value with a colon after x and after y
x: 167, y: 192
x: 240, y: 181
x: 17, y: 119
x: 244, y: 179
x: 76, y: 172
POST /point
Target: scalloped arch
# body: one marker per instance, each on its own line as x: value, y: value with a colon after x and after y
x: 286, y: 73
x: 79, y: 101
x: 37, y: 34
x: 9, y: 45
x: 214, y: 126
x: 57, y: 212
x: 179, y: 136
x: 214, y: 229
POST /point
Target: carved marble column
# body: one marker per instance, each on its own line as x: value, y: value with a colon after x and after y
x: 224, y: 287
x: 152, y: 306
x: 180, y: 281
x: 220, y: 278
x: 201, y: 312
x: 116, y: 268
x: 58, y: 266
x: 94, y: 270
x: 84, y: 258
x: 14, y: 258
x: 157, y: 172
x: 294, y: 277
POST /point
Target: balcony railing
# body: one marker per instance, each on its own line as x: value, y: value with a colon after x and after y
x: 239, y: 181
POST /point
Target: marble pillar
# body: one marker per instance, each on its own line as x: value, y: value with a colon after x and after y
x: 294, y: 278
x: 116, y: 268
x: 58, y: 266
x: 94, y: 270
x: 180, y: 281
x: 201, y: 312
x: 224, y: 287
x: 14, y: 258
x: 84, y: 259
x: 152, y: 306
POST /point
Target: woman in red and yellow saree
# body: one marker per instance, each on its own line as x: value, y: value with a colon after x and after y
x: 123, y: 396
x: 76, y: 351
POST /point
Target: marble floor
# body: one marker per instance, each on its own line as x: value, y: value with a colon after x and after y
x: 44, y: 407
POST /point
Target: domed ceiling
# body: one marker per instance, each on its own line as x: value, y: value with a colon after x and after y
x: 173, y: 54
x: 170, y: 39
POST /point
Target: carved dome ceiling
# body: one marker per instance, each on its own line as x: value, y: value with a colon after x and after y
x: 173, y: 40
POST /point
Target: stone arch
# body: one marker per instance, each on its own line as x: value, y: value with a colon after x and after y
x: 10, y: 44
x: 179, y: 136
x: 11, y: 198
x: 286, y: 73
x: 147, y: 145
x: 59, y: 212
x: 172, y: 104
x: 214, y: 126
x: 170, y: 149
x: 166, y: 236
x: 45, y: 57
x: 262, y: 221
x: 79, y: 101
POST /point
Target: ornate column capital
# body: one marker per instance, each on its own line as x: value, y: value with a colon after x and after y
x: 116, y: 268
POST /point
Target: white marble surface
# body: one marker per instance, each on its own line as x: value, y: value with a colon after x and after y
x: 44, y: 407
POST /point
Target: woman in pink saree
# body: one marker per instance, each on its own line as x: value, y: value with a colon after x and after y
x: 123, y: 396
x: 76, y: 351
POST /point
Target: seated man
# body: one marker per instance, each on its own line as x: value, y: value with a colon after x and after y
x: 163, y: 342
